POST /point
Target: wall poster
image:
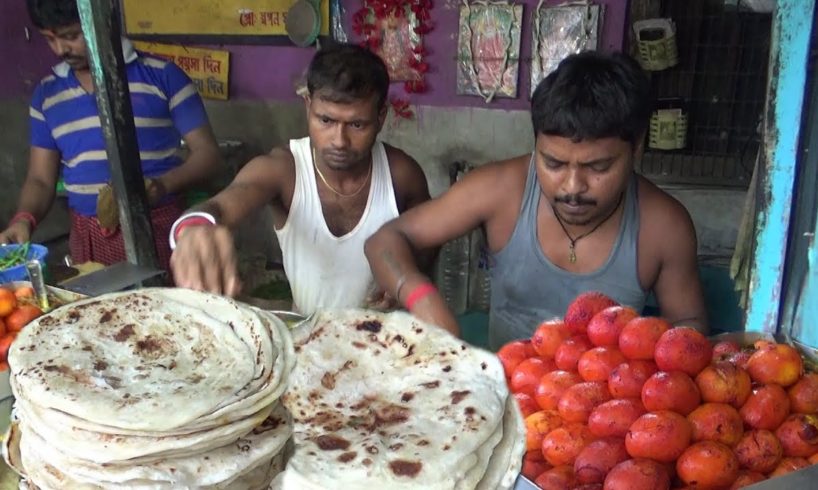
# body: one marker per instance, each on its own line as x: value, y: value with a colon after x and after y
x: 561, y: 31
x: 488, y: 49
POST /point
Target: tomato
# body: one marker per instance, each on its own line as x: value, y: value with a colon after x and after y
x: 527, y: 404
x: 5, y: 343
x: 513, y: 353
x: 548, y: 336
x: 20, y: 317
x: 7, y: 302
x: 527, y: 375
x: 533, y: 469
x: 24, y: 292
x: 2, y: 327
x: 4, y: 366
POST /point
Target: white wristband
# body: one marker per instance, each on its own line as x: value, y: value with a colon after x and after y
x: 199, y: 214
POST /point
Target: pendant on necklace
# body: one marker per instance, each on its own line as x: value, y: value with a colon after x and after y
x: 572, y: 256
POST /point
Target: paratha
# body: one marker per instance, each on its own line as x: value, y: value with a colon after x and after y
x: 100, y: 447
x: 385, y: 401
x: 507, y: 458
x: 252, y: 458
x: 268, y: 388
x: 138, y: 360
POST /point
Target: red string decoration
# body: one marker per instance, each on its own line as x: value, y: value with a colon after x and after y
x: 394, y: 30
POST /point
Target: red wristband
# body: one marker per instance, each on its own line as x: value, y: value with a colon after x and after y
x: 420, y: 292
x: 192, y: 221
x: 24, y: 216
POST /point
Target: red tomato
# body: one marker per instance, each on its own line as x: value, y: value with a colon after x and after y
x: 7, y: 301
x: 532, y: 469
x: 5, y: 343
x: 513, y: 353
x: 20, y: 317
x: 24, y: 292
x: 527, y: 404
x: 528, y: 373
x: 548, y: 337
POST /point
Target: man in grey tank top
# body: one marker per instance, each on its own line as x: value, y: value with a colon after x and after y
x: 572, y: 216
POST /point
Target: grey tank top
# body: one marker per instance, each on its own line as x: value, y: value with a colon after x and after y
x: 527, y: 288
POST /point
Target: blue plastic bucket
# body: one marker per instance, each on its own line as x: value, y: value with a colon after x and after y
x: 18, y: 272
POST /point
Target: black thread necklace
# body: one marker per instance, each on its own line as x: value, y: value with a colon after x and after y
x: 572, y: 256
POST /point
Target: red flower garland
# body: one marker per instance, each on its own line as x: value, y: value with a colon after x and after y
x: 364, y: 25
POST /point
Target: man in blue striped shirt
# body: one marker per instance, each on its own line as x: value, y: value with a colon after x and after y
x: 66, y: 135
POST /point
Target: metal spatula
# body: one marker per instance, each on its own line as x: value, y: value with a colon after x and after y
x: 35, y: 275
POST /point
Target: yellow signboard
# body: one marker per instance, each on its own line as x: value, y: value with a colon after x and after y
x: 212, y: 17
x: 207, y: 68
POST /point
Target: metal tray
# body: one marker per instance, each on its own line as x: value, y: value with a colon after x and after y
x: 524, y: 483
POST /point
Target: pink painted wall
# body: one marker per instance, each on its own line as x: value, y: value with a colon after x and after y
x: 271, y: 72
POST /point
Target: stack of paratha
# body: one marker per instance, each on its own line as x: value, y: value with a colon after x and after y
x: 158, y: 388
x: 382, y: 401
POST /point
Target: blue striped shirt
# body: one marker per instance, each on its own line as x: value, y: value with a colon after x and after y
x: 64, y: 118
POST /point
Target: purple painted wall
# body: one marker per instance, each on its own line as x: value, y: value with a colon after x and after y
x: 265, y: 72
x: 24, y: 62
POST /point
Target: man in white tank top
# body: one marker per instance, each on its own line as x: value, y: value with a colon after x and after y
x: 329, y: 192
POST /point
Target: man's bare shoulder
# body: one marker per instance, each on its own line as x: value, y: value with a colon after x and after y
x: 663, y: 216
x: 402, y: 166
x: 274, y: 171
x: 505, y: 174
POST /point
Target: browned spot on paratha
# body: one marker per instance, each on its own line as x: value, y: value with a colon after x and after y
x: 329, y: 442
x: 458, y: 396
x: 401, y: 467
x: 373, y: 326
x: 347, y: 457
x: 124, y: 333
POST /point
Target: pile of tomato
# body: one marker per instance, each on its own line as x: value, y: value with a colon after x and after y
x: 615, y: 401
x: 17, y: 308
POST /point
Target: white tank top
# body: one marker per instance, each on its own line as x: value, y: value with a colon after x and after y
x: 326, y: 271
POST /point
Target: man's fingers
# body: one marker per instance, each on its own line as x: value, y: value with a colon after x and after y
x: 205, y: 260
x: 228, y: 266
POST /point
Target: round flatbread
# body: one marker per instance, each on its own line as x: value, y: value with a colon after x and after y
x: 252, y: 459
x: 385, y: 401
x: 102, y: 448
x: 143, y: 360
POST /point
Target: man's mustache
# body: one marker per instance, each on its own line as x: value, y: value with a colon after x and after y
x: 575, y: 200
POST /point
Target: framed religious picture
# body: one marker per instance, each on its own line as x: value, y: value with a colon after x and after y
x: 488, y: 49
x: 561, y: 31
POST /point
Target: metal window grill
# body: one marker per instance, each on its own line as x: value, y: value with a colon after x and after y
x: 720, y: 83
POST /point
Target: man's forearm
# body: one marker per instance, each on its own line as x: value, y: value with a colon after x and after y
x: 36, y: 198
x: 426, y: 259
x: 392, y: 262
x: 697, y: 322
x: 199, y: 166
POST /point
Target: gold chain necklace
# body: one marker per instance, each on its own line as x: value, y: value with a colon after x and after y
x: 572, y: 256
x: 324, y: 180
